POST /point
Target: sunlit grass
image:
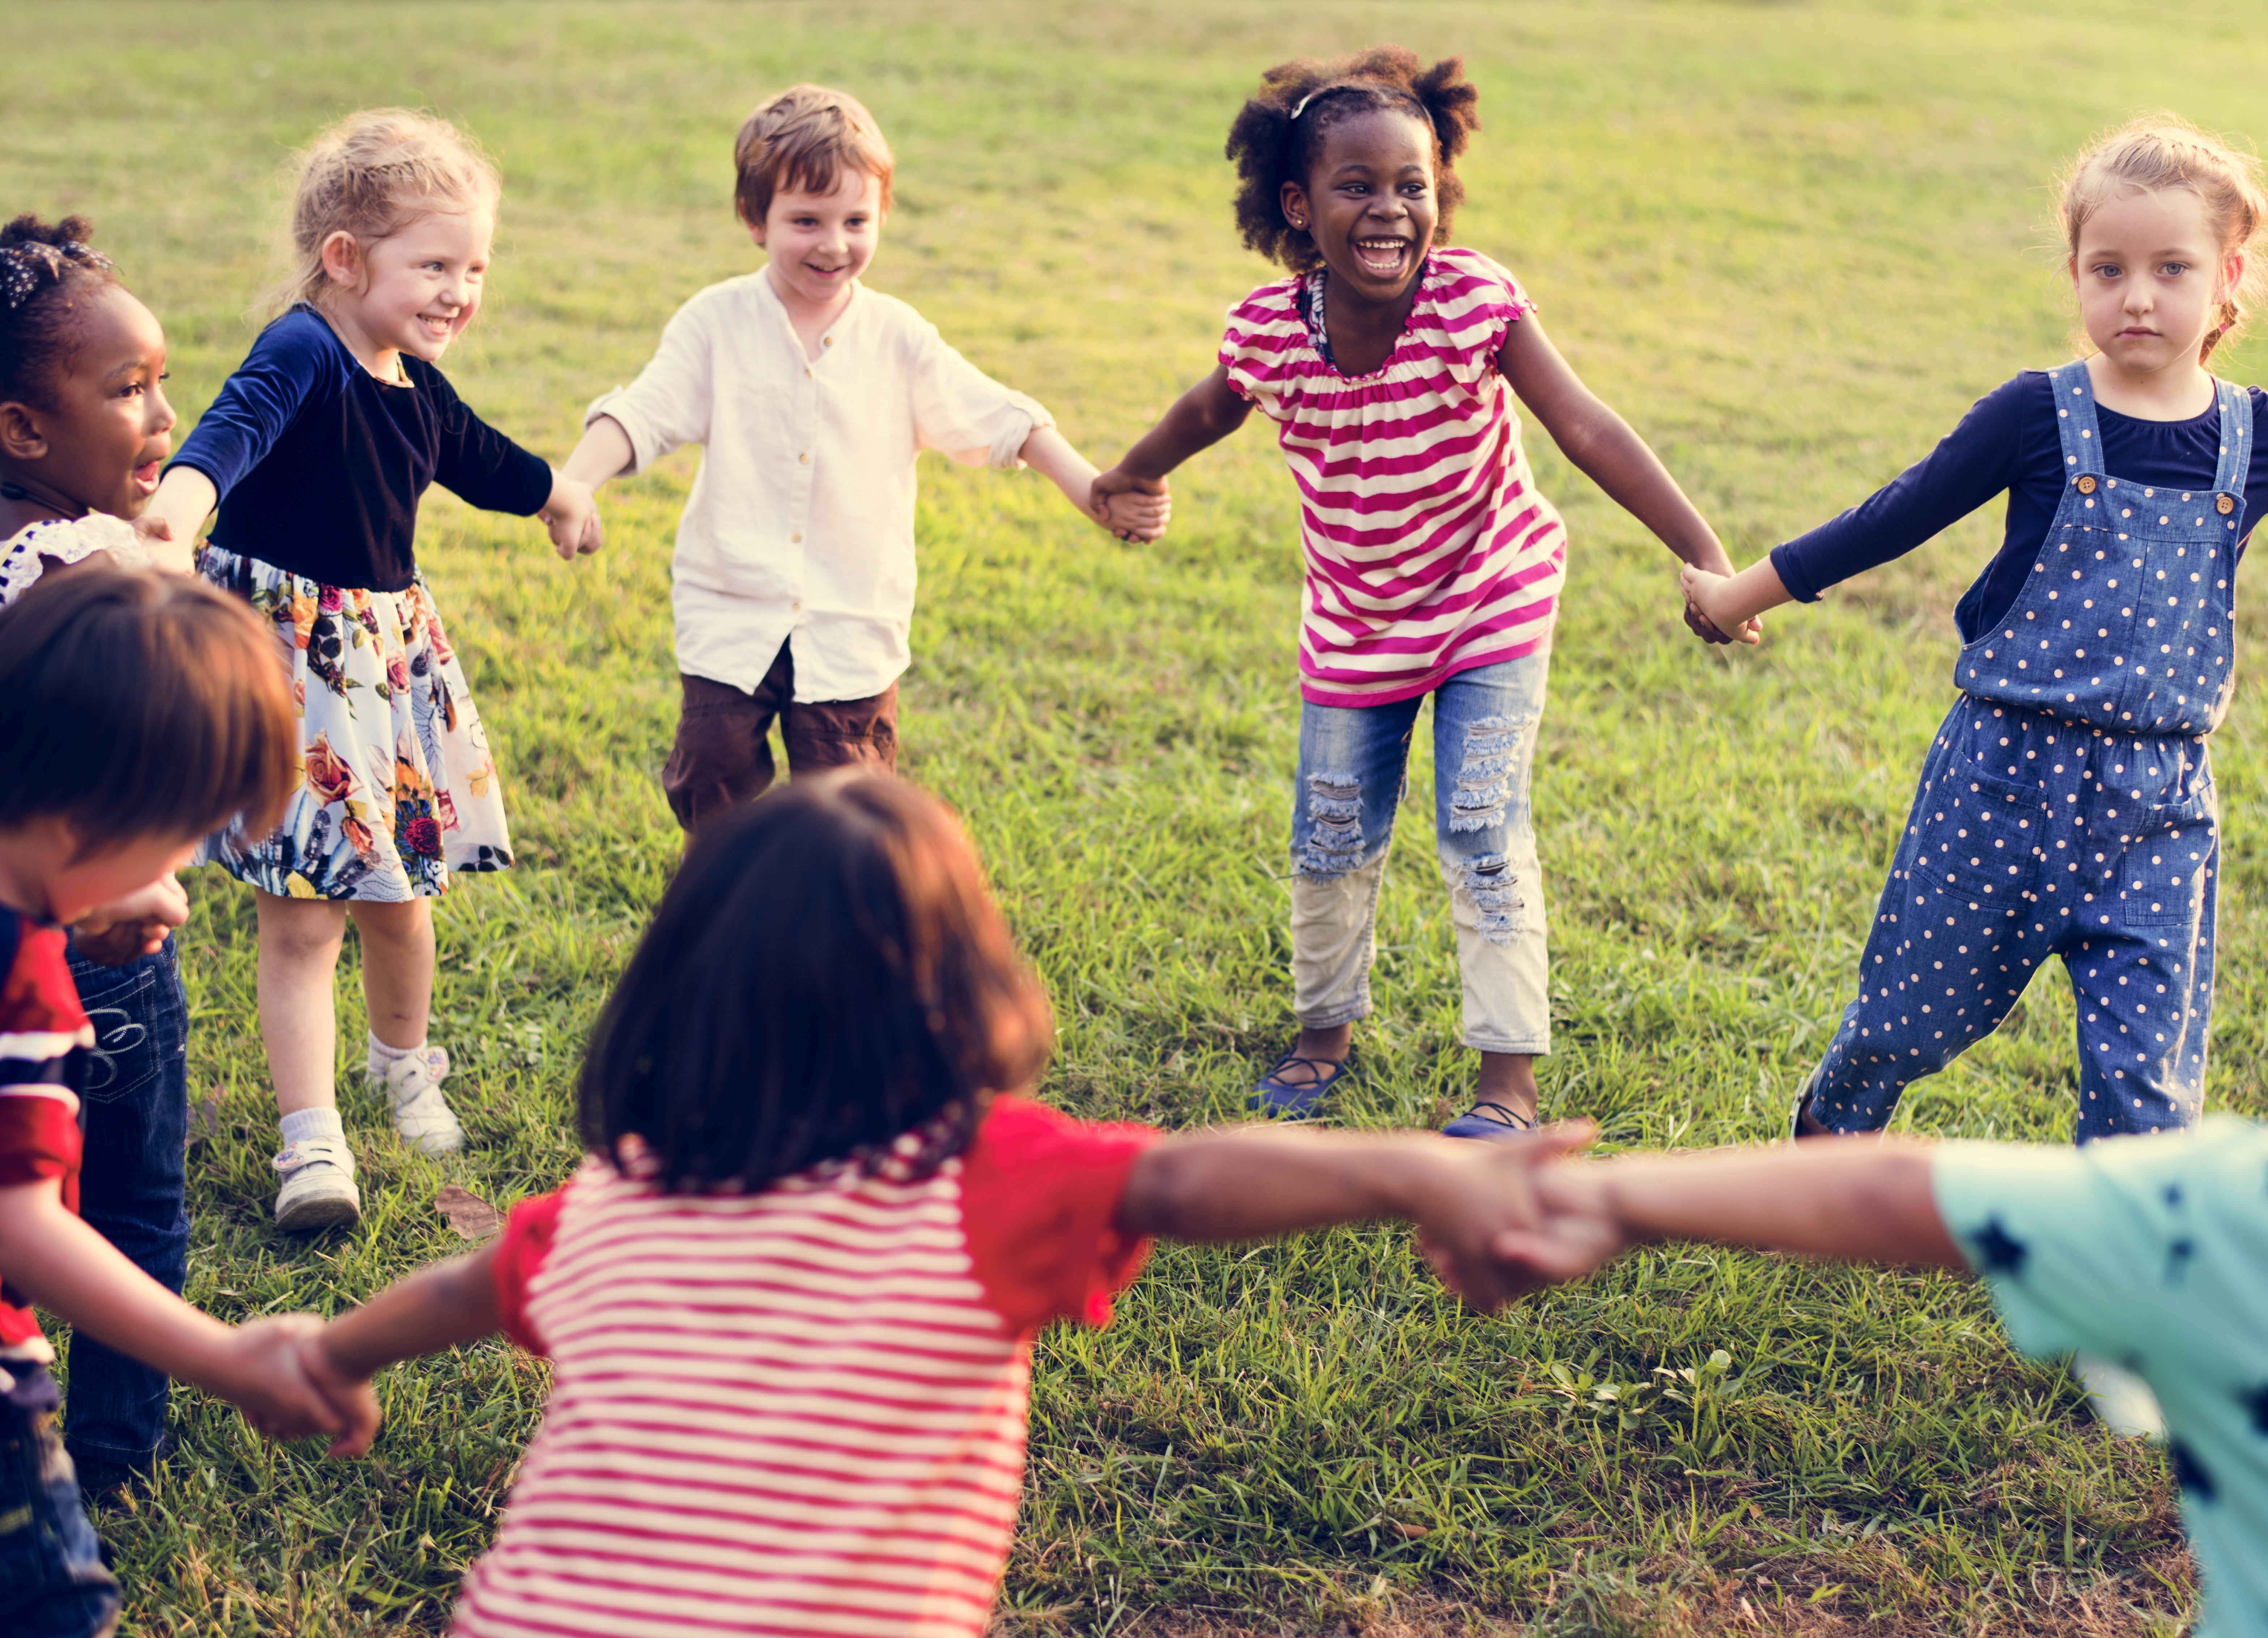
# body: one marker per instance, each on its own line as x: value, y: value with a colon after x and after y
x: 1791, y: 244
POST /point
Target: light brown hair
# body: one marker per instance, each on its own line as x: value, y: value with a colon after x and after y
x: 2160, y: 152
x: 140, y: 704
x: 802, y: 141
x: 372, y: 174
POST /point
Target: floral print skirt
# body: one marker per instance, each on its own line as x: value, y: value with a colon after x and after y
x: 397, y: 789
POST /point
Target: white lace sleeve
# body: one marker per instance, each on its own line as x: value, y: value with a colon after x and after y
x: 66, y: 540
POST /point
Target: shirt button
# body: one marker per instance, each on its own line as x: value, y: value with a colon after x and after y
x: 795, y: 608
x: 806, y: 371
x: 795, y: 537
x: 827, y: 341
x: 805, y: 458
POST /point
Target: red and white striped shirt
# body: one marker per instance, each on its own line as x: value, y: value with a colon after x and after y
x: 1429, y: 549
x: 797, y: 1411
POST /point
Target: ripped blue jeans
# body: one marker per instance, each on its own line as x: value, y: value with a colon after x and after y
x: 1354, y: 769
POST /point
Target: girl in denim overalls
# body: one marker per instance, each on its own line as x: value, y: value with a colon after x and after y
x: 2066, y: 806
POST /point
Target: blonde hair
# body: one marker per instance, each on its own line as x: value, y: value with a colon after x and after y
x: 803, y: 140
x: 370, y: 176
x: 2160, y: 152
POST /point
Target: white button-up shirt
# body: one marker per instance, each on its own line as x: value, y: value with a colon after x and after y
x: 801, y: 520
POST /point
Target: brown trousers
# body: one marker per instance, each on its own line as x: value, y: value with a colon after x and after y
x: 722, y: 759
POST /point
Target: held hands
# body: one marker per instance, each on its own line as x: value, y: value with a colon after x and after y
x: 1132, y: 508
x: 156, y: 535
x: 260, y: 1370
x: 1711, y: 612
x: 356, y: 1399
x: 572, y: 516
x: 1495, y: 1199
x: 135, y: 925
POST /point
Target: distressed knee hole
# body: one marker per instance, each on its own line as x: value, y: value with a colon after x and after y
x: 1489, y: 881
x: 1335, y: 825
x: 1482, y: 789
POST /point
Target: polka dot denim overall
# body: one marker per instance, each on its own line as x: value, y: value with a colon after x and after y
x: 2067, y: 807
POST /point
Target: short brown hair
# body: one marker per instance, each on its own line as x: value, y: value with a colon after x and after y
x: 140, y: 704
x: 827, y: 973
x: 802, y: 140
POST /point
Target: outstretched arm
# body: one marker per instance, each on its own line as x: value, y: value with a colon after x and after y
x: 53, y: 1257
x: 1604, y: 448
x: 436, y: 1308
x: 1199, y: 418
x: 1249, y: 1184
x: 1851, y: 1199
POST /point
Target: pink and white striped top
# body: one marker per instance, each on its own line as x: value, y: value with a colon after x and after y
x: 797, y: 1411
x: 1429, y: 549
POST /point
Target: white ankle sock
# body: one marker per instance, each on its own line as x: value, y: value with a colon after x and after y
x: 303, y: 1124
x: 383, y: 1058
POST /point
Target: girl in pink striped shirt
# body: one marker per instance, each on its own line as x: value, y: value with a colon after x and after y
x: 1433, y: 565
x: 790, y: 1296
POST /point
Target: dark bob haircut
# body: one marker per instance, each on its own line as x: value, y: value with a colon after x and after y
x: 827, y: 973
x: 1278, y: 134
x: 140, y: 704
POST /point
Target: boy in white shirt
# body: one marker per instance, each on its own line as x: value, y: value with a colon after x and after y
x: 793, y: 578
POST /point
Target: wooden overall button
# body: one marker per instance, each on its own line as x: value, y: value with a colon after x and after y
x: 2086, y: 484
x: 2225, y: 506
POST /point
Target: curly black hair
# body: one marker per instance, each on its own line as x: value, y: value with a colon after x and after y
x: 1271, y: 147
x: 47, y: 274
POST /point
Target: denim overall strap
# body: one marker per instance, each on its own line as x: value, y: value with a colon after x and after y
x: 2236, y: 404
x: 2075, y: 423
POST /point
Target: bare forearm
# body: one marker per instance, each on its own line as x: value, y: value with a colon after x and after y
x: 1857, y: 1200
x: 434, y: 1309
x: 1604, y: 448
x: 1248, y: 1184
x: 185, y: 498
x: 1199, y: 418
x: 54, y: 1259
x: 1749, y: 593
x: 603, y: 452
x: 1050, y: 454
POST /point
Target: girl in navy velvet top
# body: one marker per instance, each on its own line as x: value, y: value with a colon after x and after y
x: 317, y: 451
x: 2066, y: 806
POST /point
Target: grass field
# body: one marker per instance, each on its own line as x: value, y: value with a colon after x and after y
x: 1791, y: 243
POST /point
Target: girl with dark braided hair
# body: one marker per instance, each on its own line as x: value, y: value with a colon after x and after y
x: 1389, y: 363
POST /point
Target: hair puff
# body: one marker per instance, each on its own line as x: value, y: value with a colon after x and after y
x: 1272, y: 147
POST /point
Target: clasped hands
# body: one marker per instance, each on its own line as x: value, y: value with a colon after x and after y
x: 1524, y: 1216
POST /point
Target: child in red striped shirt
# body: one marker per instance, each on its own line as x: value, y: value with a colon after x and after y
x: 790, y: 1295
x: 1389, y: 363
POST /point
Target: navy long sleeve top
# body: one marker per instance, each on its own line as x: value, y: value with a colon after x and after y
x: 2008, y: 441
x: 320, y: 464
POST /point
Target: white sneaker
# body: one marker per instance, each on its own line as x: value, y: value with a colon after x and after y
x: 318, y: 1187
x: 421, y: 1114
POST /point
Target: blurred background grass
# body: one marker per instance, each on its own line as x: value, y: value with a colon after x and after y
x: 1790, y: 242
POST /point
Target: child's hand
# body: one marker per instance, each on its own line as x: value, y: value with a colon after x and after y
x: 156, y: 535
x: 1120, y: 502
x: 571, y: 515
x: 1708, y: 610
x: 1136, y: 516
x: 132, y: 927
x: 1493, y: 1199
x: 355, y: 1400
x: 1576, y: 1229
x: 260, y: 1370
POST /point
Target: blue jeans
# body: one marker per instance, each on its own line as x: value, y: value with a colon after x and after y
x: 52, y: 1580
x: 1354, y: 769
x: 135, y: 1116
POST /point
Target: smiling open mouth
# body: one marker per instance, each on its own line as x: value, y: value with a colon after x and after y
x: 145, y: 476
x: 1382, y: 258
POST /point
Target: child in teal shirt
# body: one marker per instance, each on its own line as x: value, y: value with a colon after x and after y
x: 2151, y: 1252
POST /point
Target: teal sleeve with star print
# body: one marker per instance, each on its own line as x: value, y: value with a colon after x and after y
x: 2150, y: 1252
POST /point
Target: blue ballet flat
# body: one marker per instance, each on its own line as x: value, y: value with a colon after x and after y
x: 1281, y: 1100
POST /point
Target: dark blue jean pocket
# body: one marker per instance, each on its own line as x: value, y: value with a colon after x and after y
x: 2166, y: 878
x: 138, y: 1015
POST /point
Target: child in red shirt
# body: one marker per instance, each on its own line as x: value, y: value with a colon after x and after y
x: 143, y: 711
x: 790, y: 1295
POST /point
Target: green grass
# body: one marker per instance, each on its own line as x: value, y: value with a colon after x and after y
x: 1791, y: 243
